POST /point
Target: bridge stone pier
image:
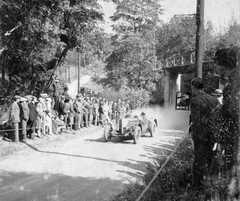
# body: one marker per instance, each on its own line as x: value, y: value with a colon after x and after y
x: 170, y: 88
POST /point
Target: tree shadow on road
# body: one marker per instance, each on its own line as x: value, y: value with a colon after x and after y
x: 133, y: 168
x: 65, y: 154
x: 113, y: 140
x: 169, y: 138
x: 16, y: 186
x: 137, y: 166
x: 152, y: 153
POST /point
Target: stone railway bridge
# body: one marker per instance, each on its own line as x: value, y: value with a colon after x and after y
x: 172, y: 67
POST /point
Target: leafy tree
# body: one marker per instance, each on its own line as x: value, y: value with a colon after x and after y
x: 137, y: 14
x: 133, y: 60
x: 176, y: 37
x: 96, y: 46
x: 38, y: 35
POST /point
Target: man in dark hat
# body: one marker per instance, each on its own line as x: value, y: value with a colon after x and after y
x: 202, y: 104
x: 86, y: 112
x: 78, y: 109
x: 65, y: 92
x: 33, y: 114
x: 226, y: 67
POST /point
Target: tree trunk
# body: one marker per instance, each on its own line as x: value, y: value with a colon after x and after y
x: 60, y: 61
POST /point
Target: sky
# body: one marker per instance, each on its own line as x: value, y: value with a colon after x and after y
x: 219, y: 12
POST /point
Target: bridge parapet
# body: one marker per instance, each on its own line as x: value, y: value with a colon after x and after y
x: 180, y: 60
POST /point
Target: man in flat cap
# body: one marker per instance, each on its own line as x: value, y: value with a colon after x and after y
x: 33, y: 114
x: 24, y: 116
x: 226, y: 67
x: 61, y: 105
x: 14, y: 117
x: 202, y: 105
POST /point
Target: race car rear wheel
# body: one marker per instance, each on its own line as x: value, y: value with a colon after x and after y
x: 152, y: 129
x: 106, y: 133
x: 137, y: 134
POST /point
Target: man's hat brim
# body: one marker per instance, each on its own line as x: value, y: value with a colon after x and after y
x: 17, y: 97
x: 23, y: 99
x: 43, y: 95
x: 28, y: 97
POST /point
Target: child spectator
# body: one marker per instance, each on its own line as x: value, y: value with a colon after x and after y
x: 58, y: 125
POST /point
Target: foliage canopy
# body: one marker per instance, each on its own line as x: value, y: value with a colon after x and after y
x: 37, y: 36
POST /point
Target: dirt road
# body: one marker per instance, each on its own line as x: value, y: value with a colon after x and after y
x: 82, y: 168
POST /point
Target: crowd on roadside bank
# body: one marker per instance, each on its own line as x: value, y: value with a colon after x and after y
x: 31, y: 116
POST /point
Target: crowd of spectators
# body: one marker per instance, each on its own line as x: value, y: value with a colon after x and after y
x: 31, y: 116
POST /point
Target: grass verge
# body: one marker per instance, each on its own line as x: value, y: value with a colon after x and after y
x: 174, y: 181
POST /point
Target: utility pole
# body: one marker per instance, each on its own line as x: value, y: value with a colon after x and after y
x: 69, y: 73
x: 199, y: 37
x: 79, y: 70
x: 66, y: 74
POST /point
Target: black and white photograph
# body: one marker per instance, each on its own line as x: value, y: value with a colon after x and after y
x: 119, y: 100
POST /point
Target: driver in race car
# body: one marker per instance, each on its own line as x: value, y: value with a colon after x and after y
x: 143, y: 117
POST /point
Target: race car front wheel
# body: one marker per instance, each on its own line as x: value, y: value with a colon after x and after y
x: 137, y: 134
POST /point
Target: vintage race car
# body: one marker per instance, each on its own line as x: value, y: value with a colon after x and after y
x: 130, y: 128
